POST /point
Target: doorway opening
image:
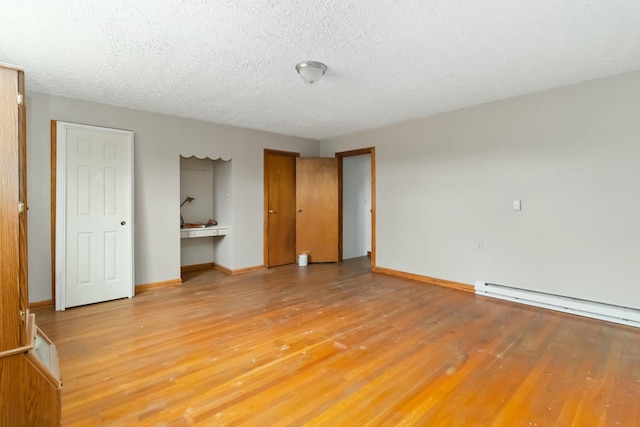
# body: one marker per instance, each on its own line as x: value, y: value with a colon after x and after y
x: 357, y: 196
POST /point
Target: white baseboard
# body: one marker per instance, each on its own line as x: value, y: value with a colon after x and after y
x: 596, y: 310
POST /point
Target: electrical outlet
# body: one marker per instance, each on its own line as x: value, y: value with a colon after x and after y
x: 479, y: 246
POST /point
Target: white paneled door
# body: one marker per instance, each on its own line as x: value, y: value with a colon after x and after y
x: 94, y: 214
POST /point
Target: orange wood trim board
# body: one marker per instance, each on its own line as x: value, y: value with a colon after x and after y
x: 431, y: 280
x: 40, y: 304
x: 206, y: 266
x: 148, y: 286
x: 240, y: 270
x: 222, y: 268
x: 52, y: 201
x: 195, y: 267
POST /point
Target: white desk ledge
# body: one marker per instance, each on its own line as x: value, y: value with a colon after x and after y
x: 190, y: 233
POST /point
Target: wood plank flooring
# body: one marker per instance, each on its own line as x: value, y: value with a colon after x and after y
x: 337, y: 345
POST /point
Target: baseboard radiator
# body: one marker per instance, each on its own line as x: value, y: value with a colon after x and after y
x: 596, y: 310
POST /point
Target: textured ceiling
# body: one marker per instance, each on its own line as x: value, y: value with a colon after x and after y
x: 233, y: 62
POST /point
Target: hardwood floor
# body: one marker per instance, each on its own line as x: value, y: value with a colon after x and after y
x: 337, y: 345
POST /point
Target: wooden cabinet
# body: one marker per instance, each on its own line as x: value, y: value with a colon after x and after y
x: 29, y: 380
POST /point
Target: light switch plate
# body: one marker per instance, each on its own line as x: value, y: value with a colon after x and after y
x: 517, y: 205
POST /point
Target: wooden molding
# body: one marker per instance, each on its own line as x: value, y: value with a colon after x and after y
x: 373, y: 207
x: 149, y: 286
x: 52, y: 200
x: 208, y: 265
x: 239, y: 270
x: 281, y: 153
x: 40, y: 304
x: 265, y: 208
x: 196, y: 267
x: 356, y: 152
x: 431, y: 280
x: 223, y: 269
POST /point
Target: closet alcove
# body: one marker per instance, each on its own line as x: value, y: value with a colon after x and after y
x: 205, y: 213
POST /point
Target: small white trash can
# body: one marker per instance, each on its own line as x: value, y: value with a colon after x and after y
x: 303, y: 259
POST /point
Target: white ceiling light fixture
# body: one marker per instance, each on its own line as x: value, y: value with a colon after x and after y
x: 311, y: 71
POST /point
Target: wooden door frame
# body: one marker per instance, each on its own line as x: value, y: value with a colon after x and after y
x: 265, y: 199
x: 358, y: 152
x: 52, y: 199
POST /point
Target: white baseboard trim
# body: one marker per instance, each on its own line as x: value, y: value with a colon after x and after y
x: 596, y: 310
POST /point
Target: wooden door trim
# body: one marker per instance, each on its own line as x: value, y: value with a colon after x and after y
x: 281, y: 153
x: 265, y: 200
x: 358, y: 152
x: 52, y: 196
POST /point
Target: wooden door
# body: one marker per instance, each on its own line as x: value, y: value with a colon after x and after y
x: 13, y: 263
x: 96, y: 225
x: 317, y: 208
x: 27, y: 397
x: 280, y: 205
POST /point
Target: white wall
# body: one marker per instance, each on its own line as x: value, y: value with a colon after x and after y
x: 223, y: 210
x: 572, y: 155
x: 159, y: 141
x: 196, y: 180
x: 356, y: 206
